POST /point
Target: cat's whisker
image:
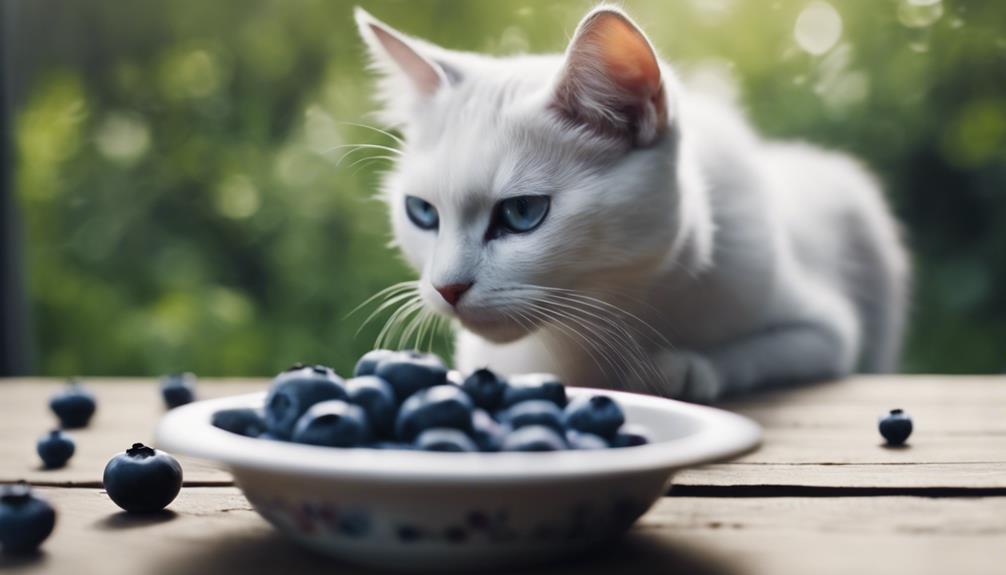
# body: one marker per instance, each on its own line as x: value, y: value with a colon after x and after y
x: 607, y: 305
x: 400, y: 141
x: 392, y: 322
x: 391, y: 301
x: 411, y: 284
x: 612, y: 315
x: 631, y: 359
x: 371, y: 159
x: 527, y: 323
x: 630, y: 356
x: 630, y: 336
x: 411, y: 332
x: 356, y: 147
x: 562, y: 321
x: 407, y: 320
x: 559, y: 320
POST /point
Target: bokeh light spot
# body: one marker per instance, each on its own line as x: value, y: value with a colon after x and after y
x: 818, y: 28
x: 919, y: 13
x: 122, y: 137
x: 237, y: 197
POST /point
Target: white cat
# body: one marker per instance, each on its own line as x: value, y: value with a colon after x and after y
x: 584, y: 214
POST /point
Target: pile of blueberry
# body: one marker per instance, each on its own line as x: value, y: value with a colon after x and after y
x: 409, y: 400
x: 139, y: 480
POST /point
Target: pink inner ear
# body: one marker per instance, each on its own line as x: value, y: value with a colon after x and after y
x: 627, y: 56
x: 419, y: 70
x: 612, y: 79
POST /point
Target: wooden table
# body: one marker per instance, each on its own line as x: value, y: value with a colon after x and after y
x: 821, y: 496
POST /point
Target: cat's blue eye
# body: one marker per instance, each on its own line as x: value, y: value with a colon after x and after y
x: 422, y: 213
x: 522, y: 214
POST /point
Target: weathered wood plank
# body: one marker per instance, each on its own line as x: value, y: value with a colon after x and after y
x: 887, y: 391
x: 906, y: 477
x: 214, y: 530
x: 823, y: 435
x: 127, y: 412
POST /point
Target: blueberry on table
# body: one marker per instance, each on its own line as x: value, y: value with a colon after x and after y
x: 896, y: 426
x: 485, y: 388
x: 294, y: 391
x: 534, y: 412
x: 74, y: 406
x: 445, y: 439
x: 534, y: 386
x: 630, y: 435
x: 55, y: 449
x: 533, y: 438
x: 178, y: 389
x: 439, y: 406
x: 410, y: 371
x: 598, y: 414
x: 486, y: 431
x: 142, y: 479
x: 241, y: 420
x: 377, y: 398
x: 368, y: 361
x: 333, y: 423
x: 582, y: 440
x: 26, y: 520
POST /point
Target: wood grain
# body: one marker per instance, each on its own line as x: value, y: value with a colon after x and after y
x: 214, y: 530
x: 128, y: 410
x: 823, y: 435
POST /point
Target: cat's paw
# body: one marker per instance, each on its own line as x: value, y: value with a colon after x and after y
x: 689, y: 376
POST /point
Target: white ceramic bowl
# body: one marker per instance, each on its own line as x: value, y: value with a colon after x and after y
x: 439, y: 511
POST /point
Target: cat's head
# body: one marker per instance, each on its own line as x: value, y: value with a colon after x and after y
x: 525, y: 179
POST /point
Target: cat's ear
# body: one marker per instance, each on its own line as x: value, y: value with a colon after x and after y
x: 410, y: 73
x: 611, y: 79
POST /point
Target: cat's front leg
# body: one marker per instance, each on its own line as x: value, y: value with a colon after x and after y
x: 799, y: 353
x: 688, y: 375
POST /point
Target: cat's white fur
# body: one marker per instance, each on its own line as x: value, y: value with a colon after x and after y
x: 737, y: 262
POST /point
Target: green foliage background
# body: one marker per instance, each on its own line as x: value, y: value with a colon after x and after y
x: 183, y: 207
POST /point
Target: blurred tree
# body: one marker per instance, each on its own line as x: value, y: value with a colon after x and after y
x: 184, y: 207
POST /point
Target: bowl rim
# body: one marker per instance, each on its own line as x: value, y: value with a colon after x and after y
x: 186, y: 430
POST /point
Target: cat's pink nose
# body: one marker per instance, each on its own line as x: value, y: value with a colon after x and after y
x: 453, y: 292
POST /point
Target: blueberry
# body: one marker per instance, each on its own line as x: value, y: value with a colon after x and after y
x: 410, y: 371
x: 896, y: 427
x: 74, y: 406
x: 630, y: 435
x: 598, y: 414
x: 581, y: 440
x: 178, y: 389
x: 454, y: 377
x: 439, y: 406
x: 142, y: 480
x: 534, y: 386
x: 26, y: 520
x: 333, y: 423
x: 487, y: 433
x: 377, y: 398
x: 534, y: 412
x: 444, y: 439
x: 485, y: 388
x: 533, y: 438
x: 242, y: 420
x: 294, y: 391
x: 55, y: 449
x: 368, y: 361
